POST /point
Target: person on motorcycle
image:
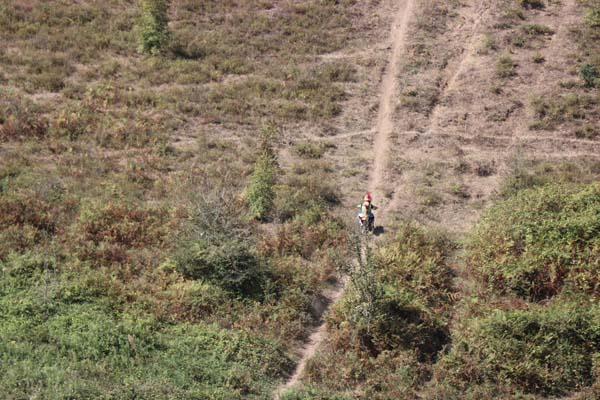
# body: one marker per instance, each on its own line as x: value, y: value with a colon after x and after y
x: 366, y: 210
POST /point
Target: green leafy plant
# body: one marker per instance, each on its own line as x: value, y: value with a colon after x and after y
x: 153, y: 25
x: 590, y: 75
x: 261, y: 191
x: 540, y: 241
x: 231, y: 264
x: 543, y: 351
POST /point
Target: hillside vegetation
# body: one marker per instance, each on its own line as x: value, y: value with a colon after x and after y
x: 131, y: 262
x: 175, y: 180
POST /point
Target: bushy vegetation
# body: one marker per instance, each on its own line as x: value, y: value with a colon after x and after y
x: 506, y: 67
x: 540, y: 241
x: 390, y: 325
x: 527, y: 174
x: 587, y: 36
x: 398, y: 296
x: 125, y: 242
x: 153, y: 25
x: 547, y: 351
x: 261, y: 191
x: 66, y: 335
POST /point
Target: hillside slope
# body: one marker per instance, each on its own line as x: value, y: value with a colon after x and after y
x: 180, y: 223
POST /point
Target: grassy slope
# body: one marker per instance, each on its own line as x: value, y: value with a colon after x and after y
x: 500, y: 345
x: 120, y: 182
x: 119, y: 170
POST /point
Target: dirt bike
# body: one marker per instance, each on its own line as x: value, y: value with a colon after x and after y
x: 367, y: 225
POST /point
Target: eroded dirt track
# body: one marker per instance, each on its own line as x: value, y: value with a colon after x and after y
x: 377, y: 175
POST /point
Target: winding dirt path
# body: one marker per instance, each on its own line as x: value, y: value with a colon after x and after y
x: 381, y: 146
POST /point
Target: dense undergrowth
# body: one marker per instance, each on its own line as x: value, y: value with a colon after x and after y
x: 392, y: 323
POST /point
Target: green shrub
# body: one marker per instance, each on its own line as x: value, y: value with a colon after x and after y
x: 153, y: 25
x: 312, y: 150
x: 89, y: 351
x: 19, y: 270
x: 261, y: 190
x: 526, y: 174
x: 231, y: 264
x: 416, y: 260
x: 545, y: 351
x: 539, y: 241
x: 73, y: 122
x: 588, y: 132
x: 590, y: 75
x: 536, y: 29
x: 310, y: 393
x: 389, y: 305
x: 196, y: 300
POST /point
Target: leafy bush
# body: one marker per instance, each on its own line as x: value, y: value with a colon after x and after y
x: 390, y: 306
x: 590, y: 75
x: 416, y: 260
x: 545, y: 351
x: 261, y: 191
x: 73, y: 122
x: 154, y: 30
x: 592, y: 18
x: 312, y: 150
x: 88, y: 351
x: 536, y: 29
x: 526, y: 174
x: 539, y: 241
x: 195, y: 300
x: 231, y: 264
x: 312, y: 394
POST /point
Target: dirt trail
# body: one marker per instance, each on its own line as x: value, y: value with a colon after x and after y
x: 380, y: 149
x: 385, y: 123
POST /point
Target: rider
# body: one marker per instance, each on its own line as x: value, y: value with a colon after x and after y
x: 366, y: 209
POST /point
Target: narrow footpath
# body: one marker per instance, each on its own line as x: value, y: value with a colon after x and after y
x: 383, y: 131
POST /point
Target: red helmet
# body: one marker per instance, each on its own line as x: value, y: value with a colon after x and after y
x: 368, y: 197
